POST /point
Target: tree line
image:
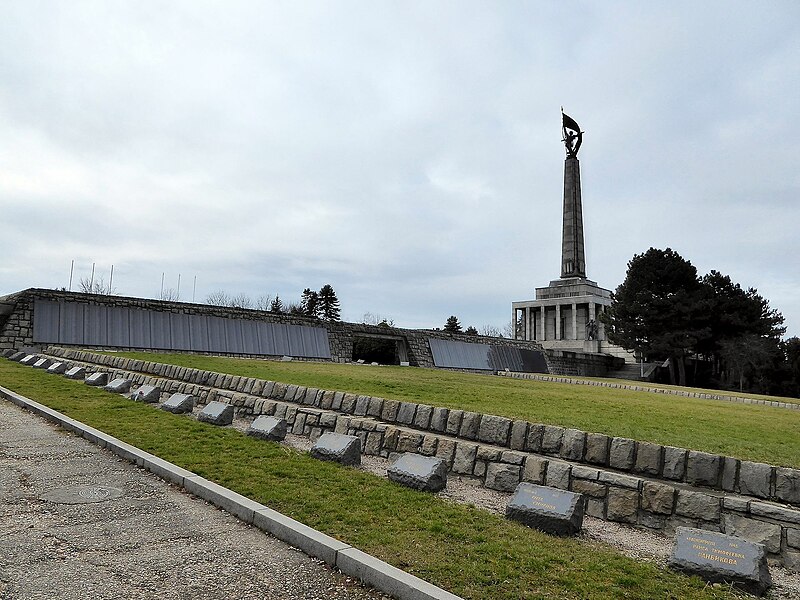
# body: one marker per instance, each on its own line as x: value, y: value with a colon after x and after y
x: 665, y: 310
x: 322, y: 304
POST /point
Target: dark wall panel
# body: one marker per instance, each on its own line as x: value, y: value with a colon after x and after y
x: 119, y: 329
x: 70, y: 327
x: 140, y: 328
x: 459, y: 355
x: 159, y: 331
x: 198, y: 333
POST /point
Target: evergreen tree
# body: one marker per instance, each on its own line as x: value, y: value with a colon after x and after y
x: 276, y: 306
x: 452, y: 325
x: 310, y: 303
x: 328, y: 303
x: 471, y: 330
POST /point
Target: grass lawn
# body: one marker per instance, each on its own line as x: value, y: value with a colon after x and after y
x: 466, y: 550
x: 757, y: 433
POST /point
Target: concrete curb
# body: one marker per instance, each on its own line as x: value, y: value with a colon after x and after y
x: 350, y: 561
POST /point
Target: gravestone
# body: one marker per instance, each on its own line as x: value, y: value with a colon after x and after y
x: 29, y: 359
x: 97, y: 379
x: 268, y: 428
x: 548, y: 509
x: 216, y: 413
x: 120, y: 385
x: 75, y: 373
x: 179, y: 403
x: 286, y: 358
x: 8, y: 352
x: 42, y: 363
x: 426, y: 473
x: 720, y: 558
x: 337, y: 447
x: 146, y: 393
x: 59, y: 368
x: 17, y: 356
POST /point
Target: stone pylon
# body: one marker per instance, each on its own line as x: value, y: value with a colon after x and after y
x: 573, y: 259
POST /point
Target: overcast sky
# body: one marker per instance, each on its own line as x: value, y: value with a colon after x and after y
x: 408, y: 153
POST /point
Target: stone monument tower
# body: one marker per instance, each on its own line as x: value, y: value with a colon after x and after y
x: 565, y: 314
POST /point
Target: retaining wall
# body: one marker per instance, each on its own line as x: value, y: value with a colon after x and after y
x: 623, y: 480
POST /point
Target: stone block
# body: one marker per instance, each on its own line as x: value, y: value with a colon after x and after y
x: 179, y: 403
x: 535, y: 469
x: 698, y: 505
x: 216, y: 413
x: 409, y: 441
x: 502, y: 477
x: 494, y: 430
x: 405, y: 413
x: 57, y: 368
x: 422, y: 418
x: 42, y: 363
x: 29, y: 359
x: 362, y: 404
x: 17, y: 356
x: 658, y: 498
x: 622, y: 505
x: 464, y: 458
x: 454, y: 422
x: 120, y: 385
x: 736, y: 503
x: 596, y: 508
x: 621, y: 454
x: 573, y: 444
x: 588, y: 488
x: 428, y: 447
x: 425, y: 473
x: 652, y: 521
x: 703, y: 468
x: 720, y: 558
x: 488, y: 453
x: 558, y: 474
x: 648, y: 458
x: 533, y: 441
x: 519, y: 432
x: 268, y: 428
x: 146, y: 393
x: 439, y: 419
x: 620, y: 480
x: 348, y: 403
x: 389, y: 410
x: 551, y: 439
x: 787, y: 485
x: 773, y: 511
x: 553, y: 511
x: 336, y: 447
x: 445, y: 450
x: 793, y: 537
x: 760, y: 532
x: 674, y: 463
x: 469, y: 425
x: 755, y: 479
x: 512, y: 458
x: 730, y: 471
x: 97, y: 379
x: 597, y: 448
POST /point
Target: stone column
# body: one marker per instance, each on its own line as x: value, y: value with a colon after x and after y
x: 528, y: 332
x: 543, y: 334
x: 514, y: 323
x: 558, y: 321
x: 574, y: 321
x: 573, y: 261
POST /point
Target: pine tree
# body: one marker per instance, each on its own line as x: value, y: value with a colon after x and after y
x: 471, y: 330
x: 310, y: 303
x: 276, y: 306
x: 452, y: 325
x: 328, y: 303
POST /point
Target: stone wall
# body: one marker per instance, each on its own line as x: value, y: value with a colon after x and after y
x: 644, y: 484
x: 562, y: 362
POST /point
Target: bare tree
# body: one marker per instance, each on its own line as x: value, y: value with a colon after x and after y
x: 491, y: 331
x: 376, y: 319
x: 263, y: 302
x: 218, y: 298
x: 98, y: 286
x: 170, y: 295
x: 241, y: 301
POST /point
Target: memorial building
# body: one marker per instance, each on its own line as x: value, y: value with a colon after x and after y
x: 566, y: 314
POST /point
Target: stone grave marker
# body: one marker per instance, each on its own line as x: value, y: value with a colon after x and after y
x: 8, y: 352
x: 551, y: 510
x: 426, y: 473
x: 29, y: 359
x: 146, y: 393
x: 42, y: 363
x: 216, y: 413
x: 337, y: 447
x: 17, y: 356
x: 286, y: 358
x: 59, y: 368
x: 75, y: 373
x: 268, y: 428
x: 120, y: 385
x: 98, y: 379
x: 179, y: 403
x: 720, y: 558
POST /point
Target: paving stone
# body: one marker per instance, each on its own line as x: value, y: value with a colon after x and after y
x: 755, y: 479
x: 120, y: 385
x: 621, y: 505
x: 760, y: 532
x: 787, y: 485
x: 697, y: 505
x: 720, y: 558
x: 554, y: 511
x: 597, y: 446
x: 551, y: 439
x: 268, y: 428
x: 494, y: 430
x: 179, y: 403
x: 573, y: 444
x: 426, y: 473
x: 216, y: 413
x: 336, y: 447
x: 621, y: 453
x: 703, y: 468
x: 502, y: 477
x: 674, y: 463
x: 648, y: 458
x: 97, y: 379
x: 658, y: 498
